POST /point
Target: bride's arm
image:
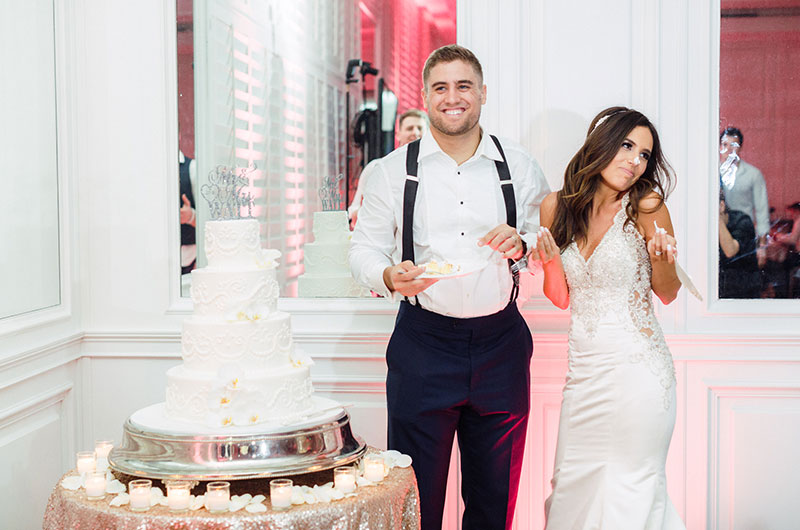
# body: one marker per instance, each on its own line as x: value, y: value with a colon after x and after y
x: 661, y: 247
x: 555, y: 283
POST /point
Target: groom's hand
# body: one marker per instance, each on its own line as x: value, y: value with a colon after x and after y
x: 402, y: 278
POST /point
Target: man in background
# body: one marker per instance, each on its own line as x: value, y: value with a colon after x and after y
x: 411, y: 126
x: 744, y: 186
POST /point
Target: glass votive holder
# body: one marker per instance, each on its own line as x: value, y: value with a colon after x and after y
x: 178, y: 494
x: 344, y: 479
x: 374, y: 468
x: 280, y: 493
x: 95, y: 485
x: 85, y: 462
x: 139, y: 491
x: 218, y: 495
x: 102, y: 448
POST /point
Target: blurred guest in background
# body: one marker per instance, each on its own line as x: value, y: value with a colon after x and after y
x: 743, y: 184
x: 188, y: 179
x: 411, y: 126
x: 739, y: 276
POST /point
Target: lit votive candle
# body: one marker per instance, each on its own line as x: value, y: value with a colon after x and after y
x: 344, y: 479
x: 139, y: 491
x: 373, y: 468
x: 280, y: 493
x: 102, y: 448
x: 95, y: 485
x: 218, y: 495
x: 85, y: 462
x: 178, y: 493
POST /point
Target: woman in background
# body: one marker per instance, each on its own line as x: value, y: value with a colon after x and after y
x: 606, y: 242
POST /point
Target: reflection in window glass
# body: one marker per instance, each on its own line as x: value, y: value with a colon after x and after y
x: 759, y: 231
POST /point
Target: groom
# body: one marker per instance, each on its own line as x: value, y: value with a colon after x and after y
x: 459, y: 357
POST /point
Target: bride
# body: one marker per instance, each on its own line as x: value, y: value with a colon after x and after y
x: 606, y: 241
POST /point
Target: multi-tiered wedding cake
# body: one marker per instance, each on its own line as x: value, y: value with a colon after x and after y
x: 241, y: 405
x: 239, y: 366
x: 327, y: 272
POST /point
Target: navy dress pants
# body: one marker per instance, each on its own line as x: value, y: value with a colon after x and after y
x: 467, y: 376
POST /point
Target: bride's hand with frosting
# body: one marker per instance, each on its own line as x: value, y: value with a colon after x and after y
x: 546, y: 246
x: 662, y: 246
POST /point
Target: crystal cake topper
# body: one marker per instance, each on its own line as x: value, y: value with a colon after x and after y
x: 331, y: 193
x: 223, y: 193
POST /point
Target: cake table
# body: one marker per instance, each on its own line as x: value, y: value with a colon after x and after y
x: 391, y: 505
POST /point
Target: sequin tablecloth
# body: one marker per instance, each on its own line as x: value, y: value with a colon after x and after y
x: 390, y: 505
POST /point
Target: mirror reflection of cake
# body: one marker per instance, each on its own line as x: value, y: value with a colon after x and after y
x: 327, y: 271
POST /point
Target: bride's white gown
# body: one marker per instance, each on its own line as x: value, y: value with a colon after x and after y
x: 618, y: 410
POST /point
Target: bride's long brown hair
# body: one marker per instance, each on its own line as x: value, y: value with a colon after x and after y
x: 606, y: 134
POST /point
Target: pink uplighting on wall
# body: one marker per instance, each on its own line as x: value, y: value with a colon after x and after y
x: 759, y: 61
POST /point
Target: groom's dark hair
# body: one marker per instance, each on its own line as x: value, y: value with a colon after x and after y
x: 448, y: 54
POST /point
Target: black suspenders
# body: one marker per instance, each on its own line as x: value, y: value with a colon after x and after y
x: 410, y: 197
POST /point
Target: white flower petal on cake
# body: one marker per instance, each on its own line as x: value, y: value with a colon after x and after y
x: 256, y: 507
x: 72, y: 482
x: 268, y: 257
x: 119, y: 500
x: 300, y: 359
x: 230, y: 375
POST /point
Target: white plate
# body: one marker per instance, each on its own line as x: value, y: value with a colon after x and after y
x: 463, y: 268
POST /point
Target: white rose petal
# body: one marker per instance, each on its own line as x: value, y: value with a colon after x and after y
x: 322, y: 494
x: 297, y: 495
x: 73, y: 482
x: 257, y: 499
x: 256, y: 507
x: 336, y: 494
x: 119, y: 500
x: 236, y: 505
x: 361, y: 481
x: 403, y: 461
x: 195, y: 503
x: 115, y: 486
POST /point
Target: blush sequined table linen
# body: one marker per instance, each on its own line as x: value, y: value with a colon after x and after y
x: 391, y: 505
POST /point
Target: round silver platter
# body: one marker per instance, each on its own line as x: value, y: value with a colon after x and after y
x: 309, y: 448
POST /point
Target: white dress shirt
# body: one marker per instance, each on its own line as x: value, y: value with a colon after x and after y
x: 749, y: 195
x: 455, y: 206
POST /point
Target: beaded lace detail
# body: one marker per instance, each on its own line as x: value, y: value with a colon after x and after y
x: 617, y: 276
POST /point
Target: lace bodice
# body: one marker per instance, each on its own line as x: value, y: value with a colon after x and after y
x: 613, y: 287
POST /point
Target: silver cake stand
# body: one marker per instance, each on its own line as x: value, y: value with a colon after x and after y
x: 317, y: 444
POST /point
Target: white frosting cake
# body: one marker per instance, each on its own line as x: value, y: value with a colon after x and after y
x: 327, y: 271
x: 239, y: 366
